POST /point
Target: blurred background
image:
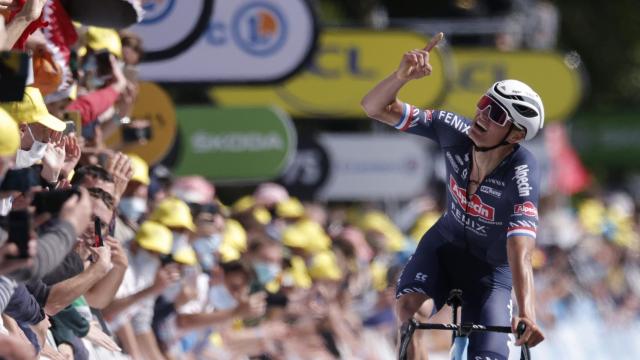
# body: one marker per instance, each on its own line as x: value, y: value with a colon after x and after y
x: 261, y: 98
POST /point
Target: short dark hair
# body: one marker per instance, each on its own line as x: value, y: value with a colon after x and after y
x: 93, y: 171
x: 236, y: 266
x: 100, y: 194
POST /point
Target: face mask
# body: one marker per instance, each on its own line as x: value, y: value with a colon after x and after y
x: 171, y: 293
x: 266, y: 272
x: 221, y: 298
x: 205, y: 247
x: 5, y: 206
x: 180, y: 240
x: 26, y: 158
x: 133, y: 208
x: 146, y: 263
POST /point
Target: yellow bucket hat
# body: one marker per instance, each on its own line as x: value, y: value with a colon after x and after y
x: 32, y: 109
x: 324, y: 266
x: 317, y: 238
x: 140, y: 169
x: 306, y: 234
x: 9, y: 135
x: 98, y: 38
x: 155, y: 237
x: 186, y: 256
x: 228, y: 253
x: 298, y: 272
x: 173, y: 213
x: 377, y: 221
x: 290, y: 208
x: 243, y: 204
x: 234, y: 235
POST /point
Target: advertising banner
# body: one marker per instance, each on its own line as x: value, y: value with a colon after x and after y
x: 234, y: 144
x: 375, y: 167
x: 154, y: 106
x: 239, y: 41
x: 553, y: 76
x: 347, y: 64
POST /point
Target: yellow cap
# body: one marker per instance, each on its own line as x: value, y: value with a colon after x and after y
x: 9, y: 135
x: 104, y: 38
x: 290, y: 208
x: 234, y: 235
x: 155, y: 237
x: 173, y: 213
x: 424, y: 223
x: 318, y: 240
x: 378, y: 275
x: 299, y: 273
x: 228, y: 253
x: 243, y: 204
x: 324, y: 266
x: 293, y: 237
x: 32, y: 109
x: 308, y: 235
x: 377, y: 221
x: 185, y: 256
x: 592, y: 213
x: 140, y: 169
x: 262, y: 215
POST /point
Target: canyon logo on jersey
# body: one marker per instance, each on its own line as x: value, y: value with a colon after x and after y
x: 473, y: 206
x: 527, y: 208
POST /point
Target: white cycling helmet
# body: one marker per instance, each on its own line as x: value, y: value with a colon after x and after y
x: 522, y: 103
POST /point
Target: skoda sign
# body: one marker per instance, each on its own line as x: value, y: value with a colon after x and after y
x: 234, y: 144
x: 232, y: 41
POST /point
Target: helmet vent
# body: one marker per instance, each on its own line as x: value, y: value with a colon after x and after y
x: 525, y: 111
x: 502, y: 94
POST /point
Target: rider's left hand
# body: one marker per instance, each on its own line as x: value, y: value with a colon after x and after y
x: 532, y: 335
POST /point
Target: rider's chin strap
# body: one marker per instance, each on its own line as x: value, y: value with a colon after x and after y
x: 501, y: 143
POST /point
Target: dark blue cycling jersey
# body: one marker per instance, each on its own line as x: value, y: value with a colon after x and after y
x: 505, y: 203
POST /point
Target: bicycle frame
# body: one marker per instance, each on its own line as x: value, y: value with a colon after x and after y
x: 460, y: 332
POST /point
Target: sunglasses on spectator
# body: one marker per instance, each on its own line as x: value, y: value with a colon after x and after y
x: 196, y: 209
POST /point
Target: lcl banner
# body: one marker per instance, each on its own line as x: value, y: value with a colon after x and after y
x: 347, y: 64
x: 557, y: 78
x: 229, y: 41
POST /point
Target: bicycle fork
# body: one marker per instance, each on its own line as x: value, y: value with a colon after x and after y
x: 406, y: 333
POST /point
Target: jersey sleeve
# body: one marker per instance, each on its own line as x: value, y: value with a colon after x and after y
x: 443, y: 127
x: 523, y: 220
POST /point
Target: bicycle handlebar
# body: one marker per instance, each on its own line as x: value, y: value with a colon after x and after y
x: 465, y: 328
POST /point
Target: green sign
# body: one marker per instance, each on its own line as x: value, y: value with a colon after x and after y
x: 607, y: 140
x: 234, y: 143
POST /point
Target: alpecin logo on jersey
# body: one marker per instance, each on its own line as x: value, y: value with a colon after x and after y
x: 475, y: 205
x: 527, y: 209
x: 522, y: 180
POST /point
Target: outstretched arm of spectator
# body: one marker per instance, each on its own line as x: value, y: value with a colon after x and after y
x: 91, y: 105
x: 128, y: 339
x: 56, y: 243
x: 15, y: 28
x: 251, y: 307
x: 102, y: 293
x: 64, y: 293
x: 164, y: 277
x: 149, y: 346
x: 13, y: 347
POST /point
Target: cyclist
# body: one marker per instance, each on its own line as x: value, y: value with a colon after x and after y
x: 483, y: 243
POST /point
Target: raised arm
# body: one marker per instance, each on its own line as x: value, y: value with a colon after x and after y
x: 381, y: 103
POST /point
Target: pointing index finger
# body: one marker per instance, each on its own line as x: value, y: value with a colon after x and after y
x: 434, y: 41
